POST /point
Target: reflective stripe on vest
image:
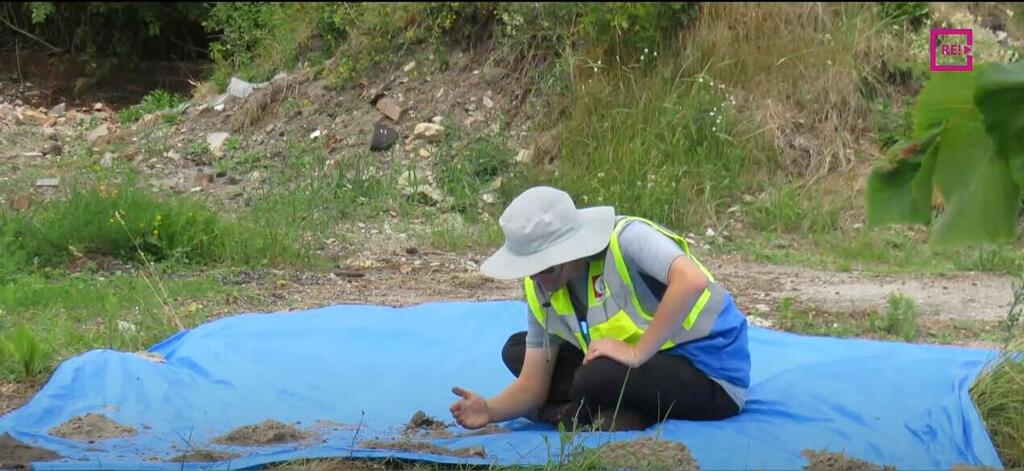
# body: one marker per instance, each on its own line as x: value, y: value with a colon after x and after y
x: 614, y: 308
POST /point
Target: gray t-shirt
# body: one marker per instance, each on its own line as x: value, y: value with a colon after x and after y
x: 648, y: 254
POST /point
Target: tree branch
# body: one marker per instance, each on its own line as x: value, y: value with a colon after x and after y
x: 26, y: 33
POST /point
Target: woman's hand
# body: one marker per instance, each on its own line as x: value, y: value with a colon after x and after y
x: 471, y: 411
x: 617, y: 350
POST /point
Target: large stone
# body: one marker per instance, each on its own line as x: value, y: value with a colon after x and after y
x: 383, y: 137
x: 429, y: 132
x: 216, y: 141
x: 97, y: 133
x: 389, y: 108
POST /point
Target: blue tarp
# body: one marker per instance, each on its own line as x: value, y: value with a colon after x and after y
x: 371, y: 368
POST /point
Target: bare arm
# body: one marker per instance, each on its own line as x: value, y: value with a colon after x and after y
x: 524, y: 394
x: 529, y: 390
x: 685, y: 284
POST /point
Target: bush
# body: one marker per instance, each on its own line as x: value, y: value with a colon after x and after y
x: 154, y: 101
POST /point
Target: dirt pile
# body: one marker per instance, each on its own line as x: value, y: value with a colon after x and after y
x: 646, y: 453
x: 422, y: 424
x: 91, y: 427
x: 420, y: 447
x: 828, y: 461
x: 203, y: 456
x: 268, y: 432
x: 17, y: 455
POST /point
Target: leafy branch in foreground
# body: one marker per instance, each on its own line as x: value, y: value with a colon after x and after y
x: 964, y: 160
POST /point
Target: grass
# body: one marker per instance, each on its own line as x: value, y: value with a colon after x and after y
x: 154, y: 101
x: 49, y: 318
x: 666, y: 145
x: 109, y: 219
x: 998, y: 394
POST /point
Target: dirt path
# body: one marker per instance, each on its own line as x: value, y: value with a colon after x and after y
x: 758, y: 288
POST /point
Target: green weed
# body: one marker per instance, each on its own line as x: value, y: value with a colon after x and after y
x: 899, y: 320
x: 152, y: 102
x: 467, y: 169
x: 790, y: 209
x: 26, y: 351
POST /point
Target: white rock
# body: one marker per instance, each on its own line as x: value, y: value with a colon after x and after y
x: 108, y: 160
x: 709, y: 233
x: 48, y: 182
x: 524, y: 156
x: 408, y: 67
x: 487, y: 102
x: 436, y: 119
x: 215, y: 140
x: 314, y: 134
x: 429, y: 132
x: 97, y: 133
x: 424, y: 153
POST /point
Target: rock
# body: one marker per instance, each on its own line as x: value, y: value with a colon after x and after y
x: 216, y: 140
x: 389, y: 108
x: 219, y: 107
x: 489, y: 198
x: 52, y: 148
x: 496, y: 184
x: 424, y: 153
x: 709, y: 233
x: 409, y: 67
x: 488, y: 103
x: 383, y: 137
x: 18, y: 202
x: 108, y: 160
x: 32, y: 154
x: 524, y: 156
x: 429, y: 132
x: 314, y: 134
x: 48, y: 182
x: 97, y: 133
x: 34, y: 117
x: 203, y: 180
x: 58, y: 111
x: 437, y: 119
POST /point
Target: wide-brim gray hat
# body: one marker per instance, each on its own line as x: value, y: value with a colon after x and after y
x: 543, y: 228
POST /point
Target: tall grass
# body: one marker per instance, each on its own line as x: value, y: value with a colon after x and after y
x: 664, y: 143
x: 88, y: 220
x: 998, y: 393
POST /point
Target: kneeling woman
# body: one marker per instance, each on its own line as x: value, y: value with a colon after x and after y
x: 623, y: 323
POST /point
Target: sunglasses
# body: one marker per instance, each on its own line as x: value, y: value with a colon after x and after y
x: 547, y: 271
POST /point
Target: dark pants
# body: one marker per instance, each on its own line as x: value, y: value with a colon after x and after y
x: 667, y: 386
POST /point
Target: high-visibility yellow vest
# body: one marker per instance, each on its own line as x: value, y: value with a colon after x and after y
x: 615, y: 309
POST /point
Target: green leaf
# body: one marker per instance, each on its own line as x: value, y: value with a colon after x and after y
x: 900, y: 191
x: 1000, y: 97
x: 944, y: 97
x: 982, y: 201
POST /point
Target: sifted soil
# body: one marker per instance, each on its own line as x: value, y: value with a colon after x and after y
x: 646, y: 453
x: 268, y: 432
x: 90, y: 427
x: 17, y: 455
x: 203, y: 456
x: 823, y: 460
x: 407, y: 445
